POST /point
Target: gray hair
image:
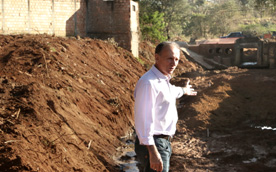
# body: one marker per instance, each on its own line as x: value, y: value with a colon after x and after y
x: 162, y: 45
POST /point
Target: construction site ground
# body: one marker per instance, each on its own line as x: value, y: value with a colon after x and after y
x: 66, y: 103
x: 230, y: 126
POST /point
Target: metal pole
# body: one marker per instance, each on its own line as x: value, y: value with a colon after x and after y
x: 53, y: 16
x: 29, y: 16
x: 75, y: 18
x: 3, y: 17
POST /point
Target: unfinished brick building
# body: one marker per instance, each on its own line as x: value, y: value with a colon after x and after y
x: 102, y: 19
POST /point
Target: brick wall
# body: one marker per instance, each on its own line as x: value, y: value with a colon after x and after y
x: 110, y: 19
x: 11, y: 21
x: 41, y: 16
x: 95, y: 18
x: 60, y: 17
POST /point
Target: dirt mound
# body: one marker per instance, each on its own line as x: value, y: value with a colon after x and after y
x: 64, y: 102
x: 230, y: 125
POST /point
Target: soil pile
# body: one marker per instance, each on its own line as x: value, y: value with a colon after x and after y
x: 230, y: 125
x: 64, y: 103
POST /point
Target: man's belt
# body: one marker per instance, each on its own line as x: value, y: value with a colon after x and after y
x: 167, y: 137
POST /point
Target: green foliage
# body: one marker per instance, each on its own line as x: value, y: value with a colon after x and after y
x: 265, y: 7
x: 206, y: 18
x: 174, y: 12
x: 196, y: 27
x: 140, y: 61
x: 257, y: 29
x: 146, y: 65
x: 153, y: 26
x: 223, y: 17
x: 214, y: 19
x: 52, y: 49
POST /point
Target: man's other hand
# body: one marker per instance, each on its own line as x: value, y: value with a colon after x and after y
x: 156, y: 162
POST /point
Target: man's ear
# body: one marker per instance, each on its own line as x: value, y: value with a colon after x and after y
x: 157, y: 56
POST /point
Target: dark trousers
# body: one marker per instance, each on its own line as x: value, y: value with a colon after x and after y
x: 164, y: 148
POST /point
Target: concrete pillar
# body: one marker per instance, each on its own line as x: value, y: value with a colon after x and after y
x: 272, y: 63
x: 237, y: 55
x: 134, y: 28
x: 260, y: 53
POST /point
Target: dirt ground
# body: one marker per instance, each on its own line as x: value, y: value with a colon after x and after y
x: 231, y: 124
x: 66, y: 103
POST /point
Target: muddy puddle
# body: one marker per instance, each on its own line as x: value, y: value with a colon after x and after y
x: 265, y: 128
x: 236, y: 150
x: 125, y: 156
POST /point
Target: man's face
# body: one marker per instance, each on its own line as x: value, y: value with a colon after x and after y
x: 167, y: 60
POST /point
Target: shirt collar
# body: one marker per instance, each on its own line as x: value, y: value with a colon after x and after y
x: 159, y: 74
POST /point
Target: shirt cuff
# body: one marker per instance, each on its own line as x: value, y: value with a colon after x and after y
x: 183, y: 89
x: 146, y: 141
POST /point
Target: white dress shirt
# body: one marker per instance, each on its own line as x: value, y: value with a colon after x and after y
x: 155, y: 106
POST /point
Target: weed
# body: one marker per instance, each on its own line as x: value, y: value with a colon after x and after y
x: 114, y: 102
x: 140, y: 61
x: 49, y: 144
x: 112, y: 41
x: 118, y: 74
x: 70, y: 89
x: 52, y: 49
x: 147, y: 66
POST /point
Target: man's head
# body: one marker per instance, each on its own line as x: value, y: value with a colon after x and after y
x: 167, y: 55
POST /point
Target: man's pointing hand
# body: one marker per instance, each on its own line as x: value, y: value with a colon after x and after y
x: 188, y: 90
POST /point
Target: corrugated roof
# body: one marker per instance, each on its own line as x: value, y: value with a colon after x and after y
x: 219, y: 41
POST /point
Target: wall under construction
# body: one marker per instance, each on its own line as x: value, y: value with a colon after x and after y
x: 116, y: 19
x: 59, y: 17
x: 94, y: 18
x: 242, y: 52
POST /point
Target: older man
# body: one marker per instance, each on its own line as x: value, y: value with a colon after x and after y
x: 155, y: 110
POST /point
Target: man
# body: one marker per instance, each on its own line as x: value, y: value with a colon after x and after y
x: 155, y: 110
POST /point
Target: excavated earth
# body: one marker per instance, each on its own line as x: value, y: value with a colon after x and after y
x: 230, y: 126
x: 66, y: 103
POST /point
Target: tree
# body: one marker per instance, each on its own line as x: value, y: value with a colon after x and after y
x: 224, y: 17
x: 265, y: 6
x: 210, y: 18
x: 153, y: 26
x: 174, y: 11
x: 197, y: 26
x: 247, y: 8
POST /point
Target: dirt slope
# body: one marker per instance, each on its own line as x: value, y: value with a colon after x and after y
x: 64, y: 102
